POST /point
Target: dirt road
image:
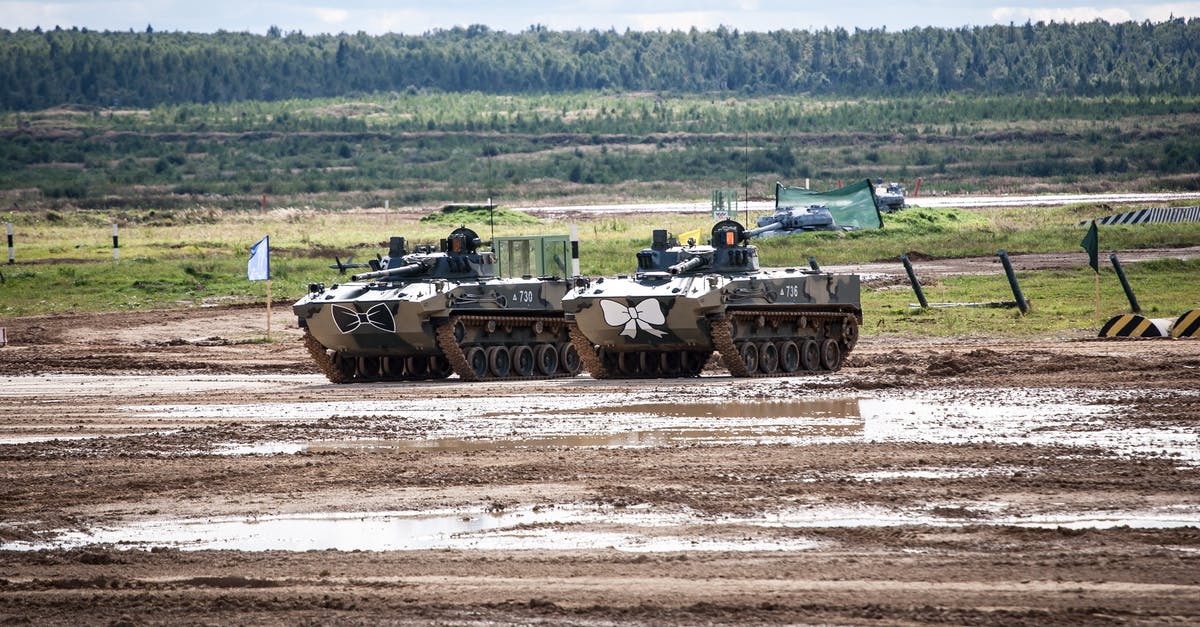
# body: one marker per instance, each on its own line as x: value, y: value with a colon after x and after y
x: 163, y: 467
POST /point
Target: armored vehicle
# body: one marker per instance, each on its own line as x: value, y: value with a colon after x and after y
x: 684, y: 302
x: 425, y: 314
x: 889, y: 197
x: 788, y: 220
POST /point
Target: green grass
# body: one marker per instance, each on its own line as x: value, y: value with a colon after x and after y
x: 432, y: 149
x: 1061, y: 302
x: 455, y: 215
x: 184, y: 259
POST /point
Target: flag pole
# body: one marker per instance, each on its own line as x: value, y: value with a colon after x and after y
x: 269, y: 307
x: 1096, y: 274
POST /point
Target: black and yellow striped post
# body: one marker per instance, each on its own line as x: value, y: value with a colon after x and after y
x: 1187, y: 325
x: 1134, y: 325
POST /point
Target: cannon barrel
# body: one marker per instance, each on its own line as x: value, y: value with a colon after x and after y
x: 410, y: 268
x: 684, y: 266
x: 774, y: 226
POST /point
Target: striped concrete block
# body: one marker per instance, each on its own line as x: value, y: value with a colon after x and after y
x: 1152, y: 215
x: 1187, y: 325
x: 1133, y: 325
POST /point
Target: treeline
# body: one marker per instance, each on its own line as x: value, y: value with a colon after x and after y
x: 128, y: 69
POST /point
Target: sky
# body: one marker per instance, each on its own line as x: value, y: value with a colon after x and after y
x: 379, y: 16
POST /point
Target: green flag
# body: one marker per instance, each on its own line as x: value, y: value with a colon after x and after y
x: 1091, y: 243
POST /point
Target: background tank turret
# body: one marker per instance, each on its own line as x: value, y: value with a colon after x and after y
x: 889, y: 197
x: 428, y: 313
x: 684, y: 302
x: 787, y: 220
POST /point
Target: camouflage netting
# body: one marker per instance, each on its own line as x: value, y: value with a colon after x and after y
x: 852, y: 206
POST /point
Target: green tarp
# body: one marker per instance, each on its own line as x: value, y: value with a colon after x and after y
x: 852, y: 206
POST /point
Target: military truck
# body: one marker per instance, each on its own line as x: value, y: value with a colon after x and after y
x: 429, y: 313
x: 686, y: 301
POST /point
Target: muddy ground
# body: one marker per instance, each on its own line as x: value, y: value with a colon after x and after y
x: 951, y: 481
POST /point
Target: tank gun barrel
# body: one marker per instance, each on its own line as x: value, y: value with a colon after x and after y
x: 689, y: 264
x: 406, y: 269
x: 774, y: 226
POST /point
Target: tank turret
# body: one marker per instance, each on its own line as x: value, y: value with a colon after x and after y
x: 788, y: 220
x: 685, y: 302
x: 434, y: 312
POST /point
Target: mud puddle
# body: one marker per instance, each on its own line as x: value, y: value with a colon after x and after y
x: 1048, y: 417
x: 572, y: 527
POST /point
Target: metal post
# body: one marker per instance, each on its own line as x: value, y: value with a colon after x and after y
x: 11, y: 256
x: 812, y: 263
x: 1012, y: 281
x: 574, y: 251
x: 116, y: 256
x: 912, y: 278
x: 1133, y: 304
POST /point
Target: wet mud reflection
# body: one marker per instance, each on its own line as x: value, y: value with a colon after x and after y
x: 569, y: 527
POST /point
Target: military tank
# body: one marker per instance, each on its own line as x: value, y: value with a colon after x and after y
x: 684, y: 302
x: 889, y: 197
x: 430, y: 313
x: 789, y: 220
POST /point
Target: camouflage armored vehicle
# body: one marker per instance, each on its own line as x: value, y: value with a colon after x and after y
x: 788, y: 220
x: 889, y: 197
x: 687, y: 301
x: 426, y: 314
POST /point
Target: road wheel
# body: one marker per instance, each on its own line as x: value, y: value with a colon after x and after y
x: 850, y: 333
x: 629, y: 363
x: 768, y: 358
x: 651, y: 364
x: 417, y: 366
x: 546, y: 357
x: 439, y: 367
x: 810, y: 355
x: 789, y: 356
x: 477, y: 358
x: 345, y: 366
x: 672, y: 363
x: 369, y: 367
x: 499, y: 361
x: 831, y: 355
x: 749, y: 353
x: 522, y: 360
x: 568, y: 359
x: 393, y: 367
x: 694, y: 361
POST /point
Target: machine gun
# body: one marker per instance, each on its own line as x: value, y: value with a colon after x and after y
x: 788, y: 219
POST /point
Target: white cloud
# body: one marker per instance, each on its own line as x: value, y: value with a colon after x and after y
x: 680, y: 20
x: 1060, y: 14
x: 1134, y: 12
x: 330, y: 16
x: 1164, y: 12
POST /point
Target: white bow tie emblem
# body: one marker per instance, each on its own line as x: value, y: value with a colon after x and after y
x: 641, y: 316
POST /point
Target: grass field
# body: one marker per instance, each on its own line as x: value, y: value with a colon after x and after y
x: 194, y: 258
x: 432, y: 149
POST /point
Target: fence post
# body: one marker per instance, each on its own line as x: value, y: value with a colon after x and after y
x: 1133, y: 304
x: 1012, y: 281
x: 912, y: 278
x: 11, y: 256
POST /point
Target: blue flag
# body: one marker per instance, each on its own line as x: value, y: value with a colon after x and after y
x: 259, y: 268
